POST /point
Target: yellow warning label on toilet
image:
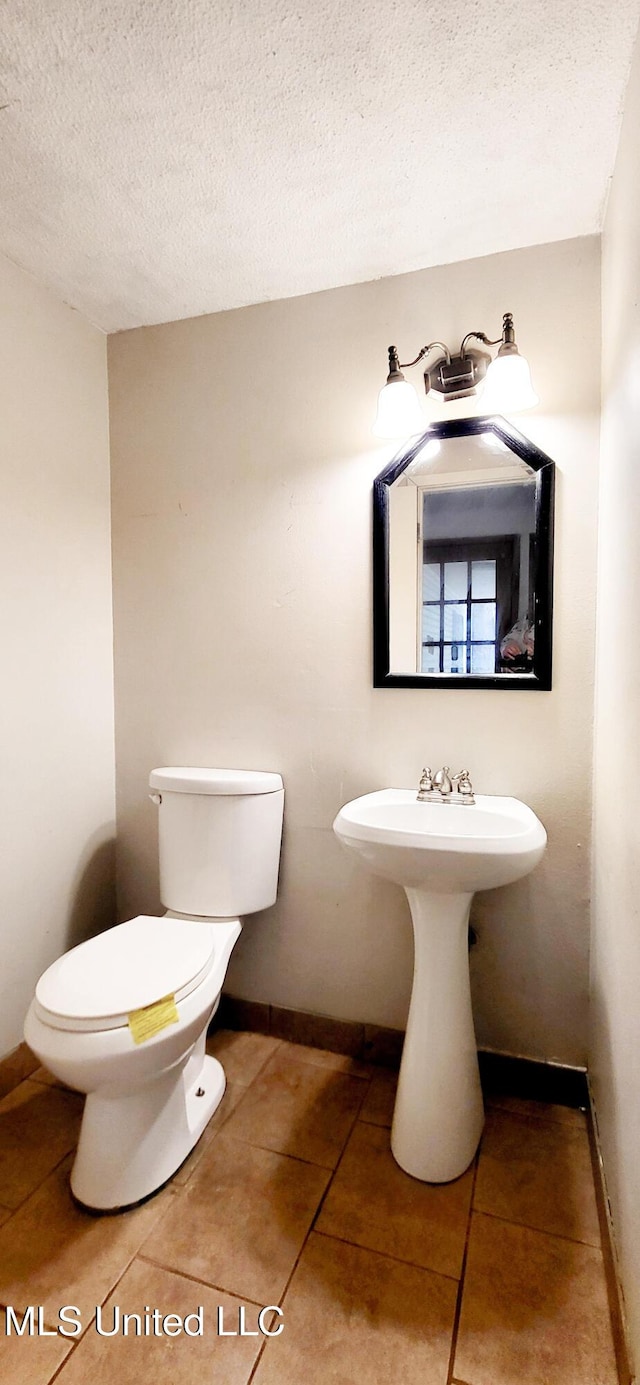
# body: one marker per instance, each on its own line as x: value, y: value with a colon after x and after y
x: 151, y: 1019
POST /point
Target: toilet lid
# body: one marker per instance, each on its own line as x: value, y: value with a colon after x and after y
x: 100, y: 982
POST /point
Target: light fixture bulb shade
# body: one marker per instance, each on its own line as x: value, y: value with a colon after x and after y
x: 399, y: 413
x: 508, y: 387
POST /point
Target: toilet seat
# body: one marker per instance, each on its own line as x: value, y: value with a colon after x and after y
x: 100, y: 982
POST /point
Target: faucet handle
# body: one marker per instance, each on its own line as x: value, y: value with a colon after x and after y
x: 464, y: 785
x: 426, y: 781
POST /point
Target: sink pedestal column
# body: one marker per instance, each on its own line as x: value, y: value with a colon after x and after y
x: 439, y: 1113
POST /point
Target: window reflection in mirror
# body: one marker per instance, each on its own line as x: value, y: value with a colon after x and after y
x: 467, y: 531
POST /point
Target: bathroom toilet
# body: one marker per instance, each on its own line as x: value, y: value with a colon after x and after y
x: 124, y: 1016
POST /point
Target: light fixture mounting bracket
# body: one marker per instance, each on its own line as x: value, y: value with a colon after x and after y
x: 457, y: 377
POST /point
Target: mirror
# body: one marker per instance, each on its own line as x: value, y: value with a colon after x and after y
x: 462, y: 560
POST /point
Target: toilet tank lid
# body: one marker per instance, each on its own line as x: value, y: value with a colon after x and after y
x: 184, y: 779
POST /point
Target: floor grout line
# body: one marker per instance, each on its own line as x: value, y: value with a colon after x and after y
x: 268, y: 1149
x: 257, y: 1361
x: 324, y: 1067
x: 64, y: 1362
x: 272, y: 1054
x: 194, y: 1279
x: 463, y: 1268
x: 36, y: 1188
x: 326, y: 1191
x: 386, y: 1255
x: 311, y: 1227
x: 540, y: 1117
x: 540, y: 1231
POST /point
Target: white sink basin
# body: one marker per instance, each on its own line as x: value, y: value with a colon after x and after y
x: 446, y: 847
x: 440, y: 853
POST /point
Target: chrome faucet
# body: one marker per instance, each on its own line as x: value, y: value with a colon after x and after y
x: 443, y: 787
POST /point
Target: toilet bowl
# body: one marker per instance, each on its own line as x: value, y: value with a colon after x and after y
x: 124, y: 1016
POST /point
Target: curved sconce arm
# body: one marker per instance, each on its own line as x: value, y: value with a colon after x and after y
x: 424, y: 352
x: 508, y: 338
x: 479, y: 336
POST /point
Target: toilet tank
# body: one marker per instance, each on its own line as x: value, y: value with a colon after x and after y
x: 219, y: 835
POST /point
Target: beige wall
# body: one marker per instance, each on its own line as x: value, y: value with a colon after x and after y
x: 242, y: 463
x: 615, y: 1053
x: 56, y: 698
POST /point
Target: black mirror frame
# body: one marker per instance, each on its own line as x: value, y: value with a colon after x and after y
x: 540, y: 678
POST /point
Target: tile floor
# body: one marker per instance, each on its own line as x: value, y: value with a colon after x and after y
x: 292, y: 1198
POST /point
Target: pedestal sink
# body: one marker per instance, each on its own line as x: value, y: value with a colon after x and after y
x: 440, y: 853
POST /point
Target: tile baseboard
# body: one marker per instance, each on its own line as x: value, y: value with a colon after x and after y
x: 370, y: 1043
x: 505, y: 1074
x: 15, y: 1067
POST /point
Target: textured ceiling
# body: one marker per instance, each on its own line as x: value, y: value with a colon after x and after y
x: 164, y: 158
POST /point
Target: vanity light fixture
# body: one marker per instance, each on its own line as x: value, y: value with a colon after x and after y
x: 508, y: 386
